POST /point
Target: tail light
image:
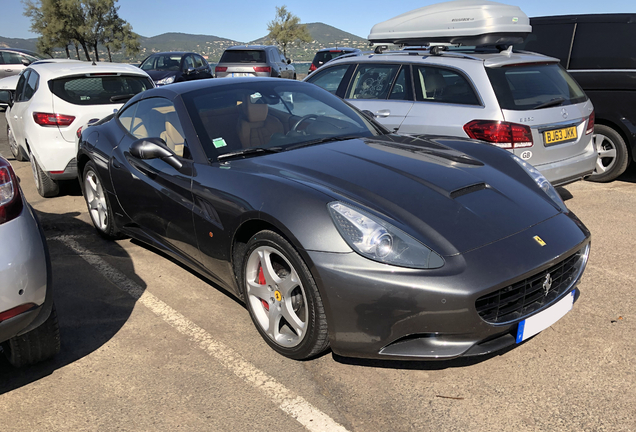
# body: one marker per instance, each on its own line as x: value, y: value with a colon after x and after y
x: 590, y: 124
x: 16, y: 311
x: 312, y: 67
x: 79, y: 132
x: 220, y: 69
x: 49, y: 119
x: 502, y: 134
x: 10, y: 199
x: 262, y: 69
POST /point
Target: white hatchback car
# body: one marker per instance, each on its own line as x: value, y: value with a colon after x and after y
x: 55, y: 98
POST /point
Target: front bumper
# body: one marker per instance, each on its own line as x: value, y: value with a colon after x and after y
x: 381, y: 311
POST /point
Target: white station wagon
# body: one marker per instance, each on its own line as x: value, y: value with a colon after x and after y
x: 53, y: 99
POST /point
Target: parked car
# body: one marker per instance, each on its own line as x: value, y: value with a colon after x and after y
x: 326, y: 54
x: 52, y: 100
x: 254, y: 60
x: 598, y: 51
x: 29, y: 330
x: 171, y: 67
x: 334, y: 231
x: 14, y: 60
x: 9, y: 84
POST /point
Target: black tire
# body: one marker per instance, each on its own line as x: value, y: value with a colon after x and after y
x: 16, y: 150
x: 39, y: 344
x: 612, y: 152
x: 98, y: 204
x: 297, y: 297
x: 46, y: 186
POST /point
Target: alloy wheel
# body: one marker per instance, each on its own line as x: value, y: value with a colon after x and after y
x: 97, y: 205
x: 606, y: 154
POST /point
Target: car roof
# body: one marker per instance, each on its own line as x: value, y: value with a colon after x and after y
x: 339, y: 49
x: 247, y: 47
x: 23, y: 51
x: 592, y: 18
x: 56, y: 69
x: 181, y: 53
x: 490, y: 59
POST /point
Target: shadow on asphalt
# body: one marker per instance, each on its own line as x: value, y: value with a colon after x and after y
x: 91, y: 310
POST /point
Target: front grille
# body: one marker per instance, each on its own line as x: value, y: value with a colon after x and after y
x: 519, y: 300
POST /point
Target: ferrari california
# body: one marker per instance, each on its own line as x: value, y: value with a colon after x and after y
x: 333, y: 231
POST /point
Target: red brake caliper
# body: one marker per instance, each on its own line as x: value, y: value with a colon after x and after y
x: 262, y: 281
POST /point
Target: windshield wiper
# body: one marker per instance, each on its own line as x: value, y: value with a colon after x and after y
x: 248, y: 152
x: 120, y: 98
x: 550, y: 103
x: 323, y: 140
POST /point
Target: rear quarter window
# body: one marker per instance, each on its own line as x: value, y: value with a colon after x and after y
x: 98, y: 90
x: 243, y: 56
x: 528, y: 87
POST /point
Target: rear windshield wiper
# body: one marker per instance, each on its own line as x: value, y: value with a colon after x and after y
x: 248, y: 152
x: 552, y: 102
x: 120, y: 98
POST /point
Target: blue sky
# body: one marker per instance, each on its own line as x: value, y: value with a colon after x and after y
x: 247, y: 20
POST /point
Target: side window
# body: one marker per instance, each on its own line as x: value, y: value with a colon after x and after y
x: 11, y: 58
x: 329, y: 78
x: 31, y: 85
x: 126, y: 118
x: 157, y: 118
x: 402, y: 88
x: 550, y: 39
x: 19, y: 89
x: 198, y: 61
x: 443, y: 85
x: 188, y: 63
x: 604, y: 45
x: 372, y: 81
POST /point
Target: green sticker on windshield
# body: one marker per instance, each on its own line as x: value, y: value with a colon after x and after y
x: 219, y: 142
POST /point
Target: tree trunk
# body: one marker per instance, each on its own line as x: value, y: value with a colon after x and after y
x: 88, y: 57
x: 96, y: 53
x: 68, y: 54
x: 77, y: 50
x: 110, y: 59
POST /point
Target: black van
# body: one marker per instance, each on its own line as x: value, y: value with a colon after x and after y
x: 600, y: 52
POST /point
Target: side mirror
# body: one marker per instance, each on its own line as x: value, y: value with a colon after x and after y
x: 155, y: 148
x: 25, y: 61
x: 190, y: 71
x: 368, y: 114
x: 6, y: 97
x: 288, y: 61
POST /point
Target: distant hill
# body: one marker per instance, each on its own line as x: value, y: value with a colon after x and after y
x: 212, y: 47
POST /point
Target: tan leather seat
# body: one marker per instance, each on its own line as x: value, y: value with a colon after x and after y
x: 172, y: 136
x: 255, y: 127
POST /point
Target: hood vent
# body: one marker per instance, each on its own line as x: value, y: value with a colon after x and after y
x: 468, y: 189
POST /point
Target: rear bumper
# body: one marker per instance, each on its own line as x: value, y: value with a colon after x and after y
x: 570, y: 170
x: 69, y: 173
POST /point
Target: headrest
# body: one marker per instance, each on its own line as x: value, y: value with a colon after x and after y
x: 255, y: 112
x: 434, y: 82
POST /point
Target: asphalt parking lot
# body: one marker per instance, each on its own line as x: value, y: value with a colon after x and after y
x: 148, y: 345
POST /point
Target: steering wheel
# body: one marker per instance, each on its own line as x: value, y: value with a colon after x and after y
x: 302, y: 119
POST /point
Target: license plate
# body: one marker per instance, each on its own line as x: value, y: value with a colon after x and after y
x: 544, y: 319
x: 241, y: 74
x: 559, y: 135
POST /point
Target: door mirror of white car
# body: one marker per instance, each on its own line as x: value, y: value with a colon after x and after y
x: 25, y: 61
x: 6, y: 97
x: 155, y: 148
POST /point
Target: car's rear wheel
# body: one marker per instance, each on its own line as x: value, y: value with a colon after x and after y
x: 98, y: 204
x: 16, y: 150
x: 282, y: 297
x: 46, y: 186
x: 613, y: 156
x: 41, y: 343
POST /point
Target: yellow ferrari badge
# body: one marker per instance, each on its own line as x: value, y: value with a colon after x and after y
x: 278, y: 295
x: 539, y: 240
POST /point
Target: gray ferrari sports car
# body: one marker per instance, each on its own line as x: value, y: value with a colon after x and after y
x: 333, y: 231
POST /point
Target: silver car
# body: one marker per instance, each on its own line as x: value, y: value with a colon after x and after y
x: 13, y: 60
x: 254, y: 60
x: 522, y: 102
x: 29, y: 330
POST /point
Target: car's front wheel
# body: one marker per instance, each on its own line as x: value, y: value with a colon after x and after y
x: 40, y: 344
x: 16, y: 150
x: 98, y: 204
x: 613, y: 156
x: 46, y: 186
x: 282, y: 297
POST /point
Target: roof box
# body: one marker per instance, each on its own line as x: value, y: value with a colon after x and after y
x: 462, y: 22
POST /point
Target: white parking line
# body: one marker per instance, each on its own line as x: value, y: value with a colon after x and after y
x: 297, y: 407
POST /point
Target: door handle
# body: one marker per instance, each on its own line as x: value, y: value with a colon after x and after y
x: 116, y: 164
x: 383, y: 113
x: 15, y: 117
x: 8, y: 70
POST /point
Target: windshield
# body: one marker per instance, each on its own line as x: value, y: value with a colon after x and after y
x: 527, y: 87
x: 165, y: 62
x: 271, y: 115
x: 243, y: 56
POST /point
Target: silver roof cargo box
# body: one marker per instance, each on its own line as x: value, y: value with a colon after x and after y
x: 462, y: 22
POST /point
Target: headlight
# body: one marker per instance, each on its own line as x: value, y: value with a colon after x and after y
x: 380, y: 241
x: 167, y: 80
x: 543, y: 182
